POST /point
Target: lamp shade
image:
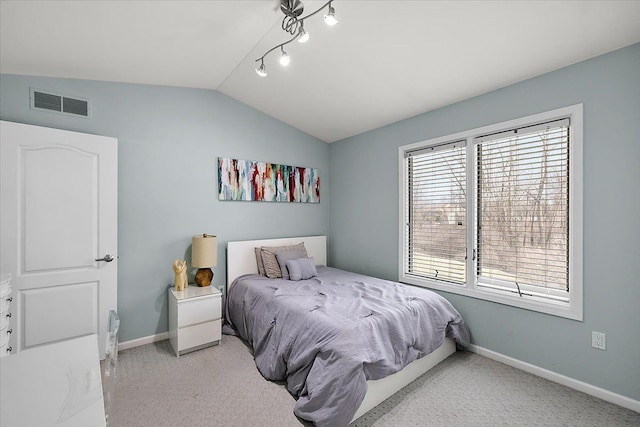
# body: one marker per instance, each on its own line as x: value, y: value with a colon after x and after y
x: 204, y: 251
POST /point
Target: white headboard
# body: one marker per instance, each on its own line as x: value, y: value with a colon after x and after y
x: 241, y: 256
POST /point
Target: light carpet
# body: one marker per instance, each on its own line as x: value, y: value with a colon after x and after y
x: 220, y: 386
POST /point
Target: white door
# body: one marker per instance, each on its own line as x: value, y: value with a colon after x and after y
x: 58, y: 217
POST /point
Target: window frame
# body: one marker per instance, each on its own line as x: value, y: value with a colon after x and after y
x: 573, y: 309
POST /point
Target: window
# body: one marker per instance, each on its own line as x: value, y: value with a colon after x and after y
x: 496, y: 213
x: 436, y: 209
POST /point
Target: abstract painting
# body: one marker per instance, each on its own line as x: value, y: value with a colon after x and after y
x: 266, y: 182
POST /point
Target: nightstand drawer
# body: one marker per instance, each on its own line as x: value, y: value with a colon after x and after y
x: 198, y: 310
x: 203, y: 333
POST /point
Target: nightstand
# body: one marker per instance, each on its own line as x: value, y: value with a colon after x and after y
x: 195, y: 318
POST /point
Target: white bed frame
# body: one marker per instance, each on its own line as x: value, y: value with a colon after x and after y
x: 241, y: 260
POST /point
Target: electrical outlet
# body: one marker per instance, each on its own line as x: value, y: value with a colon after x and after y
x: 598, y: 340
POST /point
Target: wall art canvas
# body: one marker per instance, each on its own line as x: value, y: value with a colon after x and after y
x: 267, y: 182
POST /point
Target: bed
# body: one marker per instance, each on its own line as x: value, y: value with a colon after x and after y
x: 322, y: 398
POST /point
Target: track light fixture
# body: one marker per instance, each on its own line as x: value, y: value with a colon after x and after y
x: 293, y: 24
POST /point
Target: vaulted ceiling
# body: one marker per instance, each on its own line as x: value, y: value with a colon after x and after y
x: 385, y: 60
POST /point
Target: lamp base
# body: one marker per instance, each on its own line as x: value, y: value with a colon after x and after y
x: 204, y: 276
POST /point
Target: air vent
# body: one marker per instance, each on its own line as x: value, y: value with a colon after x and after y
x: 75, y: 106
x: 47, y: 101
x: 58, y: 103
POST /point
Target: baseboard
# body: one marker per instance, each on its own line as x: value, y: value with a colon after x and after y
x: 142, y: 341
x: 592, y: 390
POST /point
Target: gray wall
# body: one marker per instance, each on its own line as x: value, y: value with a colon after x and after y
x: 169, y: 141
x: 364, y: 217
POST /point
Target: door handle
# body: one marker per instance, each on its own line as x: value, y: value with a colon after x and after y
x: 107, y: 258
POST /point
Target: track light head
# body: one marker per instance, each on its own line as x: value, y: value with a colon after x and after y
x: 284, y: 58
x: 303, y: 36
x: 330, y: 17
x: 262, y: 71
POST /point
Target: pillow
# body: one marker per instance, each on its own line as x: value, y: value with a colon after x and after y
x: 301, y: 269
x: 284, y: 256
x: 259, y: 262
x: 271, y: 266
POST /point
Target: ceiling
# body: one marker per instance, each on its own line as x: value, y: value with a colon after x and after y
x: 385, y: 60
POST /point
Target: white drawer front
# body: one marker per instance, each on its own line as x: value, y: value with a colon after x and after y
x: 199, y: 310
x: 203, y: 333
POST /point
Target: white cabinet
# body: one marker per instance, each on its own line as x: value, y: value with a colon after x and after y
x: 195, y: 318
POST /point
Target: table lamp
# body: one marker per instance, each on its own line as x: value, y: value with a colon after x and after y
x: 204, y: 254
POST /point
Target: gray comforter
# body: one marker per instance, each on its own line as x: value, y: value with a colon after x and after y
x: 328, y: 335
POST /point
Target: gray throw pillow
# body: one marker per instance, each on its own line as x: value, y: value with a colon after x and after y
x: 301, y: 269
x: 271, y: 266
x: 284, y: 256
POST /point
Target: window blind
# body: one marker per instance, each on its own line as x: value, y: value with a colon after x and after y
x: 522, y: 233
x: 436, y: 212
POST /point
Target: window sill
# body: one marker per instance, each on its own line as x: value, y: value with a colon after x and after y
x: 571, y: 310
